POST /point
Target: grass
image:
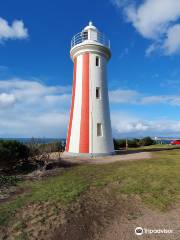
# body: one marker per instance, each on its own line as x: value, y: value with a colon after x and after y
x: 156, y: 181
x: 8, y: 181
x: 156, y: 146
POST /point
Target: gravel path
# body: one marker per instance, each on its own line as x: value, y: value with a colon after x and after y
x: 110, y: 159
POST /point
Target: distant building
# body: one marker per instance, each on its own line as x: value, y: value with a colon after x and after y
x: 89, y: 132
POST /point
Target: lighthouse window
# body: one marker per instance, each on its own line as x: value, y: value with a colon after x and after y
x: 97, y: 62
x: 99, y: 129
x: 98, y: 94
x: 84, y: 35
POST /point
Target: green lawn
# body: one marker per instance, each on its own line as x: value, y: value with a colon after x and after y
x: 156, y: 181
x: 155, y: 146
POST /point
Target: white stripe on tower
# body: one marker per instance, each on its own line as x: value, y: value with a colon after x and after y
x: 76, y: 121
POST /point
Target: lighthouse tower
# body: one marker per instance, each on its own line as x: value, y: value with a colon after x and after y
x: 89, y: 133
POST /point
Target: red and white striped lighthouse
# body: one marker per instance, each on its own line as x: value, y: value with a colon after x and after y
x: 89, y: 132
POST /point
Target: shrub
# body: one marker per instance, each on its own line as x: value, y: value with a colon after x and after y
x: 12, y: 153
x: 133, y: 143
x: 147, y: 141
x: 52, y: 147
x: 119, y: 143
x: 8, y: 181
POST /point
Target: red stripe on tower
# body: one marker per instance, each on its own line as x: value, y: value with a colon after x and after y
x: 84, y: 128
x: 72, y: 107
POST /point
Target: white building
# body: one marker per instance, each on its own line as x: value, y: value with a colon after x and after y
x: 89, y: 132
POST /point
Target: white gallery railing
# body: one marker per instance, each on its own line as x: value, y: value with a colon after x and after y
x: 83, y: 36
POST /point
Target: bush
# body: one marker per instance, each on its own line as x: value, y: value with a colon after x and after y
x: 119, y: 143
x: 40, y: 153
x: 52, y: 147
x: 147, y: 141
x: 12, y: 153
x: 133, y: 143
x: 6, y: 181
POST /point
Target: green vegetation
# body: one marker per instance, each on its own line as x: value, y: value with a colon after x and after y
x: 8, y: 181
x: 11, y: 153
x: 16, y: 157
x: 133, y: 143
x: 36, y: 146
x: 146, y: 141
x: 156, y: 182
x: 155, y: 147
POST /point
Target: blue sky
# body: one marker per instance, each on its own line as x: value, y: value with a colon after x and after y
x: 36, y: 70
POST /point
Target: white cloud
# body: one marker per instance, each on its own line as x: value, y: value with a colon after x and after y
x: 120, y: 96
x: 164, y: 99
x: 123, y: 96
x: 29, y: 91
x: 151, y: 49
x: 7, y: 99
x: 30, y: 108
x: 172, y: 42
x: 14, y: 31
x: 152, y: 17
x: 120, y: 3
x: 124, y: 123
x: 129, y: 125
x: 156, y: 100
x: 24, y: 124
x: 156, y: 20
x: 57, y: 99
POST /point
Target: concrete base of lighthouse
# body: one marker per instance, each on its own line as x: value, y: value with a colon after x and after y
x: 87, y: 155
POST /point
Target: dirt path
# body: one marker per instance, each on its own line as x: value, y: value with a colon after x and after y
x: 125, y: 229
x: 105, y: 215
x: 99, y: 217
x: 109, y: 159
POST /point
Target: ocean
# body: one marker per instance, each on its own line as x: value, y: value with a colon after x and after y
x: 39, y: 140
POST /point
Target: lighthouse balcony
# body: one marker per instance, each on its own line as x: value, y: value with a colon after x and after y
x: 87, y: 37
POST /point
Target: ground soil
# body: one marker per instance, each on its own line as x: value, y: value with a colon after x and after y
x: 108, y: 216
x: 109, y: 159
x: 124, y: 229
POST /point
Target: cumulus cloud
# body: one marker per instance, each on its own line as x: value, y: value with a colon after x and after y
x: 126, y: 125
x: 156, y: 20
x: 14, y: 31
x: 152, y: 17
x: 7, y: 99
x: 29, y: 91
x: 172, y: 42
x: 30, y: 108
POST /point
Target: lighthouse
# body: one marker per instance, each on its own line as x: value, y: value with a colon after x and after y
x: 89, y: 131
